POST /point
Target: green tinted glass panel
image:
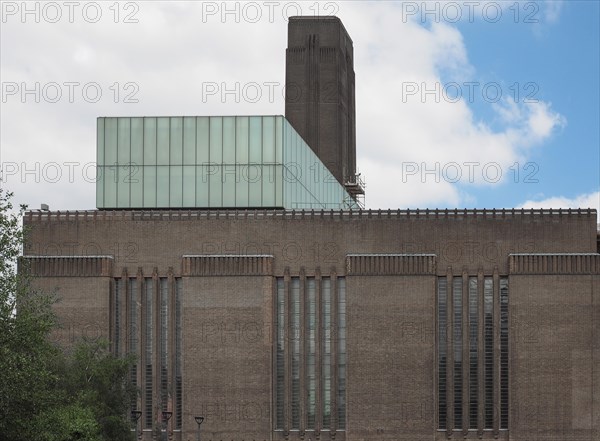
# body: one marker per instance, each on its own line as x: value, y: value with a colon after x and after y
x: 176, y: 186
x: 216, y: 140
x: 189, y: 186
x: 99, y: 163
x: 124, y: 141
x: 201, y: 186
x: 110, y: 141
x: 189, y: 141
x: 255, y: 151
x: 279, y: 139
x: 100, y: 184
x: 215, y: 185
x: 242, y: 187
x: 268, y: 139
x: 162, y: 141
x: 123, y: 185
x: 229, y: 140
x: 176, y: 143
x: 278, y: 185
x: 162, y: 186
x: 242, y: 139
x: 268, y: 185
x: 110, y: 186
x: 255, y: 185
x: 137, y: 141
x: 229, y: 185
x: 149, y: 186
x: 202, y: 138
x: 100, y: 142
x: 137, y: 186
x: 149, y: 141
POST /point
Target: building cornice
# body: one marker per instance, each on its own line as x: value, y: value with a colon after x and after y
x: 551, y: 263
x: 227, y: 265
x: 390, y: 264
x: 68, y: 266
x: 195, y: 214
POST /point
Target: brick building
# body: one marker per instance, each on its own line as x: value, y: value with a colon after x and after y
x: 270, y: 304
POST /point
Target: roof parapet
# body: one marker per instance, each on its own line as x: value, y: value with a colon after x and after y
x: 194, y: 214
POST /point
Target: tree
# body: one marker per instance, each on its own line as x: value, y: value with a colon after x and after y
x: 26, y: 319
x: 67, y: 423
x: 100, y: 382
x: 46, y: 393
x: 92, y: 397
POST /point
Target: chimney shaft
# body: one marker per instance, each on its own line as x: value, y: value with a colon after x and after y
x: 320, y: 102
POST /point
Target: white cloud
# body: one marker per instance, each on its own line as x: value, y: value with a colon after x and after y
x: 386, y: 188
x: 542, y: 15
x: 589, y: 200
x: 530, y: 123
x: 541, y: 121
x: 552, y: 10
x: 401, y: 128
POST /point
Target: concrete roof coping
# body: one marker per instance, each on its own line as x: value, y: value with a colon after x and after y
x: 195, y: 213
x: 225, y: 255
x: 390, y: 255
x: 81, y: 256
x: 554, y: 254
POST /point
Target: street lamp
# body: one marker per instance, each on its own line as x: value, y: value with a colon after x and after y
x: 135, y: 417
x: 199, y: 420
x: 166, y: 416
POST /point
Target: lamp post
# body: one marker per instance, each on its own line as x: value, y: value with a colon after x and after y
x: 199, y: 420
x: 166, y: 416
x: 135, y: 417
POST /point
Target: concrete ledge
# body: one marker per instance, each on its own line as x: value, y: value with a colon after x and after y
x: 227, y: 265
x: 68, y: 266
x: 577, y: 264
x: 390, y: 264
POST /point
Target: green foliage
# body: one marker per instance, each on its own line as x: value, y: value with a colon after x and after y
x: 99, y: 380
x: 46, y: 393
x: 11, y: 240
x: 26, y: 319
x: 66, y: 423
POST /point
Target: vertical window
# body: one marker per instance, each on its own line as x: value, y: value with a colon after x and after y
x: 164, y: 346
x: 118, y: 291
x: 279, y: 358
x: 149, y: 285
x: 341, y: 398
x: 473, y: 353
x: 132, y: 332
x: 307, y: 319
x: 457, y: 341
x: 148, y: 304
x: 326, y: 299
x: 442, y: 353
x: 504, y: 353
x: 295, y: 333
x: 311, y: 344
x: 178, y: 360
x: 488, y: 305
x: 478, y: 316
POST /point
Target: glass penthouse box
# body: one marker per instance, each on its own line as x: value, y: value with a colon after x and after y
x: 211, y: 162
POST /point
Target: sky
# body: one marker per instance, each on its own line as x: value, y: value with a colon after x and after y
x: 483, y: 104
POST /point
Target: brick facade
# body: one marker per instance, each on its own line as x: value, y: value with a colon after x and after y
x: 229, y: 263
